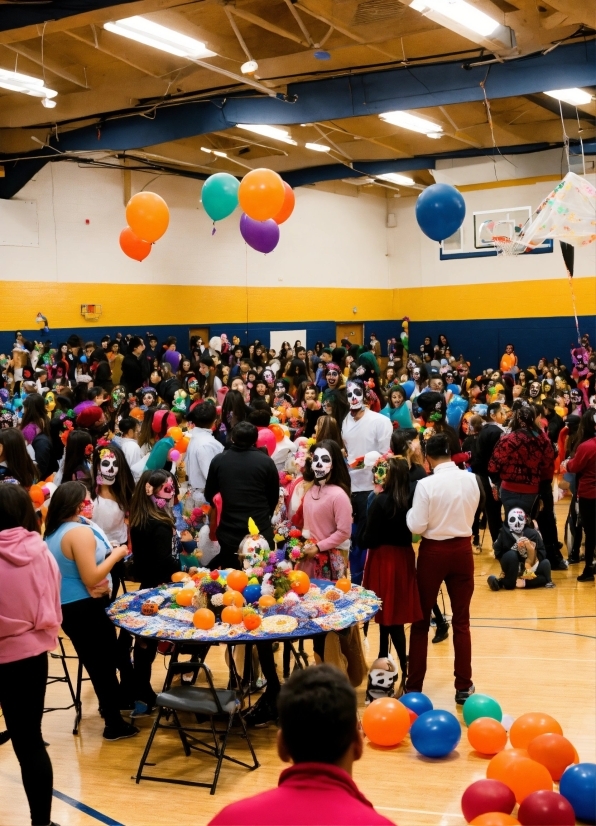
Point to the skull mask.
(535, 389)
(516, 521)
(322, 463)
(575, 396)
(108, 468)
(355, 395)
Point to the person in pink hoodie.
(30, 618)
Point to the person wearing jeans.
(583, 464)
(443, 512)
(29, 624)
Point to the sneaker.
(441, 633)
(493, 583)
(586, 576)
(261, 714)
(561, 565)
(550, 585)
(462, 696)
(141, 710)
(381, 681)
(121, 732)
(477, 548)
(573, 560)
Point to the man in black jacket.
(134, 367)
(488, 437)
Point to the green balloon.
(480, 705)
(220, 195)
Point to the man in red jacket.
(319, 734)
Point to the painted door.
(203, 332)
(353, 332)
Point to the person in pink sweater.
(327, 512)
(30, 618)
(319, 734)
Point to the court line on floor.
(82, 807)
(532, 619)
(419, 812)
(535, 630)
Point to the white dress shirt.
(202, 449)
(445, 503)
(372, 431)
(132, 451)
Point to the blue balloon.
(435, 733)
(251, 593)
(220, 195)
(440, 211)
(417, 702)
(455, 411)
(408, 386)
(578, 785)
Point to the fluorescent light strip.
(460, 12)
(576, 97)
(159, 37)
(413, 122)
(394, 178)
(317, 147)
(268, 132)
(27, 85)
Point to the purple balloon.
(262, 236)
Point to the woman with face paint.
(112, 486)
(307, 400)
(327, 512)
(155, 558)
(82, 552)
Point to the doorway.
(203, 332)
(353, 332)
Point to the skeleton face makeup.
(280, 389)
(332, 377)
(575, 396)
(416, 373)
(269, 377)
(108, 468)
(355, 395)
(87, 509)
(516, 521)
(163, 496)
(322, 463)
(535, 389)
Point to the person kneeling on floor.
(522, 555)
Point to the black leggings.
(22, 693)
(587, 512)
(398, 638)
(94, 639)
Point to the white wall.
(330, 240)
(414, 259)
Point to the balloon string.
(213, 231)
(570, 279)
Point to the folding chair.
(208, 702)
(75, 693)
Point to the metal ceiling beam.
(47, 64)
(265, 24)
(346, 32)
(101, 46)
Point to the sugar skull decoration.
(252, 545)
(321, 463)
(355, 395)
(108, 467)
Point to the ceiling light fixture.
(159, 37)
(268, 132)
(317, 147)
(460, 12)
(394, 178)
(576, 97)
(413, 122)
(214, 152)
(16, 82)
(48, 103)
(249, 68)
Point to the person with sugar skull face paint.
(521, 554)
(362, 432)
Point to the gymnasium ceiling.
(123, 103)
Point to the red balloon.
(546, 809)
(288, 205)
(487, 796)
(132, 246)
(266, 439)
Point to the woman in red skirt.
(390, 572)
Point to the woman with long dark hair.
(233, 410)
(35, 427)
(100, 370)
(398, 408)
(15, 463)
(76, 462)
(335, 403)
(307, 400)
(85, 559)
(327, 428)
(583, 463)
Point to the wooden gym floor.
(532, 651)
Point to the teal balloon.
(220, 195)
(480, 705)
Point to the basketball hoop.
(508, 246)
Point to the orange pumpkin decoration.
(180, 576)
(266, 601)
(251, 621)
(203, 619)
(233, 598)
(148, 609)
(344, 585)
(237, 580)
(231, 614)
(184, 596)
(300, 582)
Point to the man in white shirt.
(128, 444)
(442, 512)
(362, 432)
(202, 449)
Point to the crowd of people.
(132, 459)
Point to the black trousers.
(22, 694)
(492, 509)
(93, 636)
(510, 567)
(547, 524)
(145, 653)
(587, 511)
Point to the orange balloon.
(277, 432)
(37, 495)
(233, 598)
(343, 584)
(148, 216)
(499, 765)
(266, 601)
(184, 596)
(553, 751)
(487, 735)
(494, 819)
(300, 582)
(288, 205)
(529, 726)
(525, 776)
(174, 433)
(237, 580)
(251, 621)
(261, 194)
(180, 576)
(231, 614)
(181, 445)
(386, 721)
(133, 246)
(204, 619)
